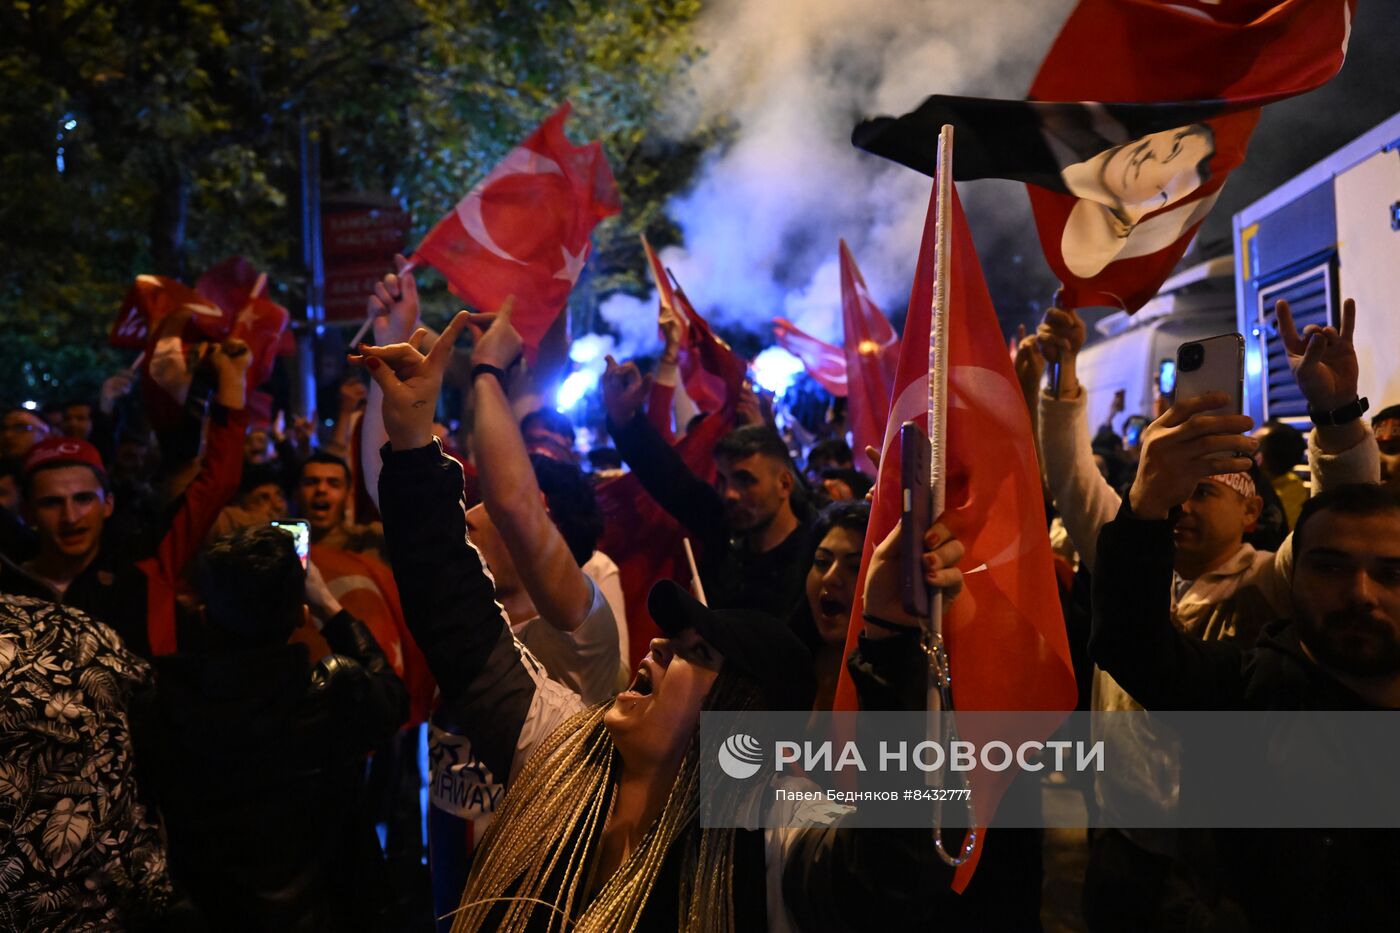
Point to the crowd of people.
(204, 726)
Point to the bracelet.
(1339, 416)
(885, 624)
(496, 371)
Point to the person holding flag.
(598, 823)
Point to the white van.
(1196, 303)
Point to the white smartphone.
(1215, 364)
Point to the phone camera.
(1191, 357)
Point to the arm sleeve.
(492, 690)
(212, 488)
(1083, 497)
(372, 698)
(663, 389)
(1133, 636)
(666, 478)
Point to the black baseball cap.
(753, 643)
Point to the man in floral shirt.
(77, 851)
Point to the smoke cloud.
(792, 77)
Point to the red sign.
(360, 233)
(358, 248)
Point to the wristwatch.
(1338, 416)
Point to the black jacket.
(734, 577)
(1288, 879)
(256, 759)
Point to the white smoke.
(793, 77)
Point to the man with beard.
(755, 547)
(1339, 651)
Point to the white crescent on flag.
(518, 162)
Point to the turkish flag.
(872, 355)
(1119, 189)
(237, 287)
(150, 299)
(524, 229)
(824, 362)
(1005, 635)
(711, 371)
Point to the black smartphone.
(916, 513)
(300, 530)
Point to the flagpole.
(940, 694)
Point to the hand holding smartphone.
(300, 530)
(1215, 364)
(916, 513)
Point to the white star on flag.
(573, 264)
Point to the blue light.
(58, 161)
(775, 369)
(71, 125)
(574, 387)
(1253, 365)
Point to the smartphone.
(1215, 364)
(300, 530)
(1166, 378)
(916, 513)
(1132, 429)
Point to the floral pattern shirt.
(77, 851)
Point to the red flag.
(872, 354)
(237, 287)
(1005, 635)
(711, 371)
(524, 229)
(824, 362)
(1119, 189)
(150, 299)
(664, 291)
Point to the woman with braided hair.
(599, 827)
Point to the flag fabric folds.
(524, 229)
(1126, 141)
(872, 355)
(1005, 635)
(823, 361)
(236, 286)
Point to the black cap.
(753, 643)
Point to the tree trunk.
(169, 214)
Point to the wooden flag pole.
(696, 586)
(940, 693)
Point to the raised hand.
(394, 305)
(1323, 359)
(1027, 361)
(1185, 446)
(1059, 338)
(231, 360)
(498, 343)
(411, 381)
(624, 390)
(883, 581)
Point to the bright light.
(590, 347)
(1253, 365)
(775, 369)
(31, 405)
(71, 125)
(575, 386)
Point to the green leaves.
(185, 144)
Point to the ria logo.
(740, 756)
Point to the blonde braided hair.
(552, 820)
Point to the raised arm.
(394, 306)
(213, 486)
(1134, 638)
(558, 588)
(662, 472)
(492, 690)
(1085, 500)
